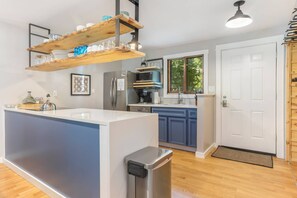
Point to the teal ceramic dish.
(106, 17)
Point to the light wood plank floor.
(192, 177)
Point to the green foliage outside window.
(186, 74)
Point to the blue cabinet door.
(163, 133)
(192, 132)
(177, 131)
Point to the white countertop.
(163, 105)
(93, 116)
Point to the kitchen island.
(76, 152)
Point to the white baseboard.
(206, 152)
(36, 182)
(176, 146)
(1, 160)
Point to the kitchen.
(181, 125)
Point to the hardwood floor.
(14, 186)
(216, 178)
(193, 177)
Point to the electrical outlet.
(93, 91)
(55, 93)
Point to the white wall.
(204, 45)
(60, 82)
(15, 81)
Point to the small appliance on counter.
(145, 96)
(48, 106)
(149, 76)
(156, 97)
(148, 79)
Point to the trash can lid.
(149, 157)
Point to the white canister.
(156, 98)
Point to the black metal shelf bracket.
(36, 35)
(118, 22)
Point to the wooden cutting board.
(35, 107)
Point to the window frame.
(185, 77)
(203, 53)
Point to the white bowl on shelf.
(60, 54)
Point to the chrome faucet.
(196, 98)
(179, 97)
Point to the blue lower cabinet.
(163, 132)
(192, 132)
(177, 131)
(177, 126)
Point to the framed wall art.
(80, 85)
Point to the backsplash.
(187, 101)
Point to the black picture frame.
(74, 84)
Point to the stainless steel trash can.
(149, 173)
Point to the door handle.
(111, 91)
(115, 95)
(224, 102)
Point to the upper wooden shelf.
(116, 54)
(97, 32)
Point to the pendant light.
(239, 19)
(133, 43)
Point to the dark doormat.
(239, 155)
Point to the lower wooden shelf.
(106, 56)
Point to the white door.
(249, 89)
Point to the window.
(186, 74)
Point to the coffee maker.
(145, 96)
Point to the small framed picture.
(80, 85)
(158, 62)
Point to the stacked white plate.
(60, 54)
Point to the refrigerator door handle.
(115, 92)
(111, 91)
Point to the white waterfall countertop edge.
(93, 116)
(185, 106)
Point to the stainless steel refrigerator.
(118, 90)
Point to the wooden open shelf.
(116, 54)
(97, 32)
(151, 68)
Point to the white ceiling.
(167, 22)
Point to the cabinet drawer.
(192, 113)
(172, 112)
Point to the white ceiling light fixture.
(239, 19)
